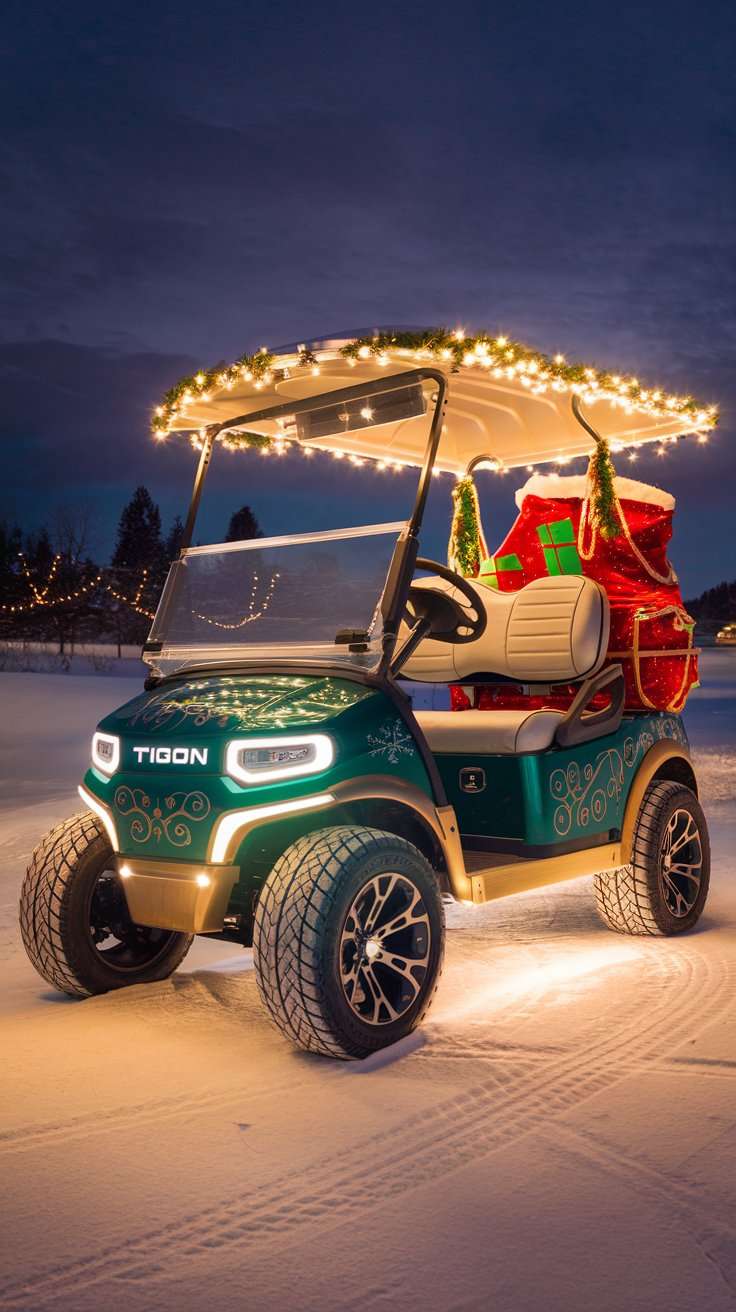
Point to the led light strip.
(103, 814)
(107, 767)
(324, 755)
(230, 824)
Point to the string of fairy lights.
(251, 614)
(42, 600)
(500, 356)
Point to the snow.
(560, 1135)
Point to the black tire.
(315, 908)
(71, 895)
(652, 896)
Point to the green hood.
(235, 704)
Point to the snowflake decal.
(391, 741)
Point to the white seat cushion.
(489, 733)
(554, 630)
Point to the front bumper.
(177, 894)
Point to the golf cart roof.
(508, 405)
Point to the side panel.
(543, 799)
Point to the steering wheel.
(448, 620)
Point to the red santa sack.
(651, 632)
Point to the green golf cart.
(272, 784)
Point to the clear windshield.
(309, 598)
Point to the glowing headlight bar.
(231, 826)
(103, 814)
(260, 760)
(106, 752)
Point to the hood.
(237, 703)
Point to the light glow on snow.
(485, 990)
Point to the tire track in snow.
(28, 1137)
(715, 1239)
(37, 1135)
(498, 1111)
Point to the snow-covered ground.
(561, 1135)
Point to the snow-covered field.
(561, 1135)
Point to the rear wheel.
(664, 889)
(75, 922)
(348, 940)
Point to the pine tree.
(174, 539)
(12, 585)
(139, 548)
(243, 525)
(139, 544)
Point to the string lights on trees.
(42, 600)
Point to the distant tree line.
(51, 589)
(715, 606)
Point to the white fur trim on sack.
(573, 485)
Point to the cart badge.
(391, 741)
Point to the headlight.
(258, 760)
(106, 752)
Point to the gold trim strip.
(521, 876)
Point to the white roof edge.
(573, 485)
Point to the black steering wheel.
(447, 619)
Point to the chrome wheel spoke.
(680, 879)
(378, 998)
(385, 948)
(401, 921)
(691, 872)
(405, 966)
(381, 899)
(681, 907)
(691, 833)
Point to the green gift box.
(495, 565)
(559, 547)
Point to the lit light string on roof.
(501, 356)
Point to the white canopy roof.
(505, 402)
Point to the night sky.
(182, 185)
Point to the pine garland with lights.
(467, 547)
(601, 474)
(501, 354)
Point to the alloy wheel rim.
(385, 948)
(681, 863)
(117, 940)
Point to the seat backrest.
(554, 630)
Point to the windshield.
(314, 597)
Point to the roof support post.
(205, 456)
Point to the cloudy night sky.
(182, 186)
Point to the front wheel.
(663, 890)
(348, 940)
(75, 922)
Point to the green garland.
(601, 474)
(216, 378)
(465, 552)
(443, 345)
